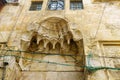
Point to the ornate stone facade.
(60, 44)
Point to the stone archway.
(63, 51)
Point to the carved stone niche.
(111, 51)
(54, 36)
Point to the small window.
(76, 4)
(36, 5)
(12, 1)
(56, 5)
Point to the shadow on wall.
(2, 3)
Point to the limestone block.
(49, 76)
(60, 32)
(31, 28)
(4, 36)
(1, 72)
(35, 66)
(114, 74)
(98, 75)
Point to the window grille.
(37, 5)
(56, 4)
(76, 5)
(12, 1)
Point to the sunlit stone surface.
(60, 44)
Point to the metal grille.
(56, 4)
(11, 1)
(75, 5)
(37, 5)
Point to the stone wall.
(94, 31)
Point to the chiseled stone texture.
(94, 31)
(52, 76)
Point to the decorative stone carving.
(52, 30)
(53, 36)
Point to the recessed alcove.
(54, 42)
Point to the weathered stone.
(61, 44)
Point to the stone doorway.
(57, 55)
